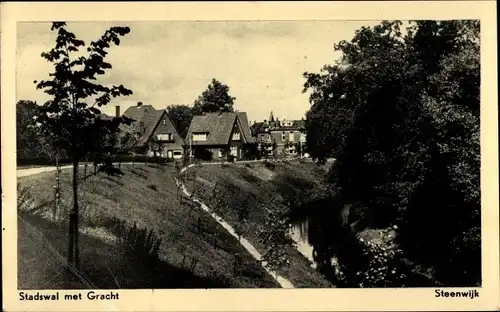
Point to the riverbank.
(243, 194)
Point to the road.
(37, 170)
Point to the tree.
(250, 151)
(68, 118)
(264, 149)
(300, 147)
(274, 147)
(225, 152)
(275, 235)
(30, 143)
(400, 113)
(181, 116)
(215, 98)
(156, 146)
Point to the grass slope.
(256, 188)
(146, 196)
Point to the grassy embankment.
(257, 188)
(195, 251)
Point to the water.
(299, 235)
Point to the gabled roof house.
(154, 132)
(214, 132)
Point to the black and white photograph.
(167, 162)
(280, 154)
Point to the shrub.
(269, 165)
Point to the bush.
(203, 154)
(269, 165)
(41, 161)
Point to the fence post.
(57, 187)
(199, 225)
(85, 169)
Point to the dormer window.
(201, 136)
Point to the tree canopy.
(69, 117)
(215, 98)
(400, 114)
(181, 116)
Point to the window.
(165, 137)
(234, 151)
(177, 153)
(200, 136)
(164, 121)
(236, 136)
(290, 136)
(283, 136)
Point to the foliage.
(384, 262)
(250, 151)
(225, 152)
(215, 98)
(67, 118)
(300, 148)
(30, 144)
(275, 236)
(400, 113)
(202, 153)
(181, 116)
(264, 149)
(156, 146)
(274, 147)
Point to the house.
(154, 132)
(287, 135)
(211, 134)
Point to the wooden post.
(57, 190)
(85, 171)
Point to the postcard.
(250, 156)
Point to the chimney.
(139, 104)
(117, 111)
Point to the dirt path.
(284, 283)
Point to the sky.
(170, 63)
